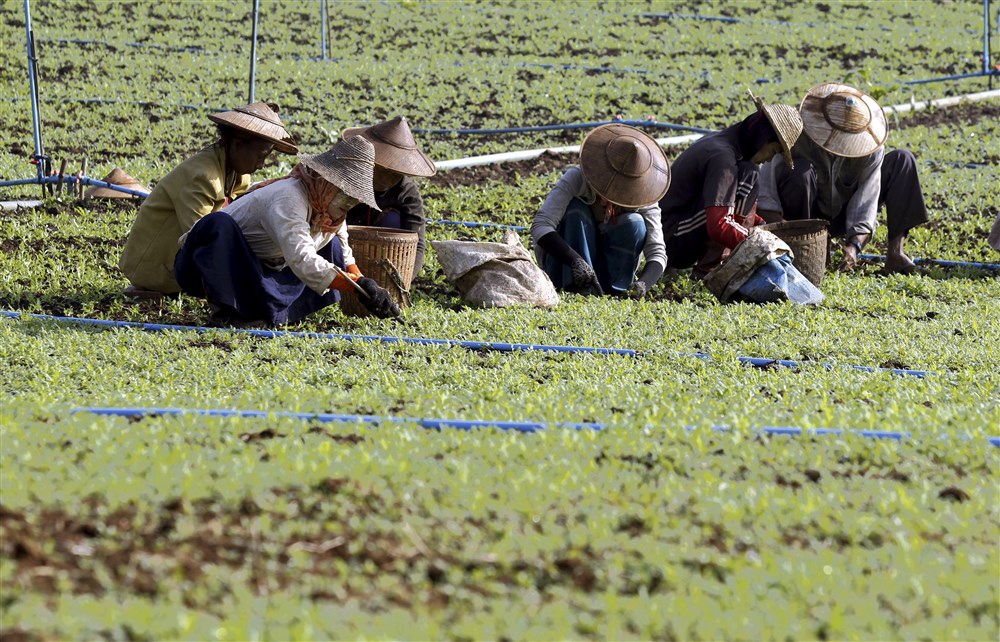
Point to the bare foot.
(899, 264)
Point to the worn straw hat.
(349, 165)
(625, 165)
(395, 148)
(842, 120)
(116, 177)
(785, 121)
(260, 120)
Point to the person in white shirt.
(282, 251)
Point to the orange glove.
(341, 283)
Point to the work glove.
(378, 301)
(584, 277)
(637, 290)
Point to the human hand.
(378, 301)
(850, 260)
(637, 290)
(584, 277)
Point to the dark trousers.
(217, 264)
(900, 193)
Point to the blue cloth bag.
(779, 280)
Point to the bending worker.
(712, 199)
(202, 184)
(397, 159)
(281, 252)
(842, 173)
(602, 216)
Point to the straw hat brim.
(349, 166)
(409, 162)
(837, 141)
(787, 124)
(615, 186)
(257, 127)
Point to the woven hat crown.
(842, 120)
(395, 147)
(624, 165)
(349, 165)
(786, 123)
(261, 121)
(846, 112)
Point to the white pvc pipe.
(504, 157)
(18, 205)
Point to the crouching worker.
(202, 184)
(602, 216)
(281, 251)
(397, 159)
(712, 199)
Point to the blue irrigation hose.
(464, 424)
(566, 126)
(444, 221)
(432, 424)
(941, 262)
(270, 334)
(474, 345)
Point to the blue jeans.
(612, 249)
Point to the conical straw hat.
(349, 165)
(259, 120)
(786, 123)
(842, 120)
(625, 165)
(115, 177)
(395, 148)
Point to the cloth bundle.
(495, 274)
(760, 269)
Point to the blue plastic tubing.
(474, 345)
(462, 424)
(943, 263)
(270, 334)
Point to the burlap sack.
(495, 274)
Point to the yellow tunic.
(195, 188)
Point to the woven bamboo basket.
(808, 240)
(386, 255)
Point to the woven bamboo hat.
(116, 177)
(842, 120)
(785, 121)
(625, 165)
(349, 165)
(260, 120)
(395, 148)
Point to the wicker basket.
(386, 255)
(808, 242)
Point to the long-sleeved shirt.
(572, 185)
(403, 198)
(848, 186)
(275, 222)
(195, 188)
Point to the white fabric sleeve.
(862, 208)
(345, 246)
(571, 185)
(655, 250)
(286, 223)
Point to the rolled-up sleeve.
(655, 250)
(862, 208)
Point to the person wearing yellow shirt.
(202, 184)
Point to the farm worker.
(712, 200)
(602, 215)
(842, 173)
(202, 184)
(281, 251)
(397, 160)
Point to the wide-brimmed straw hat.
(259, 120)
(349, 165)
(843, 120)
(785, 121)
(625, 165)
(395, 148)
(116, 177)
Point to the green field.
(658, 525)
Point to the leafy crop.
(658, 526)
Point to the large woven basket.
(808, 242)
(386, 255)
